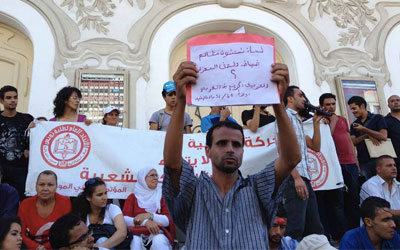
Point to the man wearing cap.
(111, 116)
(159, 120)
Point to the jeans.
(351, 195)
(302, 215)
(102, 240)
(331, 210)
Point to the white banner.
(323, 167)
(77, 152)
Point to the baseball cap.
(111, 108)
(169, 87)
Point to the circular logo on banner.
(317, 168)
(65, 146)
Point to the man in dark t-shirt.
(366, 126)
(393, 122)
(256, 118)
(13, 140)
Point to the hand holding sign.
(280, 75)
(185, 74)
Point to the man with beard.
(13, 140)
(378, 229)
(276, 233)
(393, 123)
(224, 211)
(299, 198)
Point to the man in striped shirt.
(225, 211)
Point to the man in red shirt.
(346, 155)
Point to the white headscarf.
(148, 199)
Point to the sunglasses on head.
(92, 181)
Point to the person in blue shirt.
(276, 239)
(378, 231)
(217, 114)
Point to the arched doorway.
(16, 56)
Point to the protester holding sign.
(224, 211)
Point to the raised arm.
(315, 142)
(186, 73)
(254, 122)
(288, 145)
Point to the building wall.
(317, 40)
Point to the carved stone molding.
(360, 24)
(230, 3)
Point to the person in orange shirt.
(39, 212)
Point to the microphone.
(319, 111)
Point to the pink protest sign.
(234, 69)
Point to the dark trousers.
(302, 215)
(351, 195)
(331, 211)
(16, 177)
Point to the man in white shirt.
(384, 185)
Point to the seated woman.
(66, 106)
(146, 207)
(39, 212)
(92, 206)
(10, 233)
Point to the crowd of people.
(276, 208)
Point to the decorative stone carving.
(91, 15)
(230, 3)
(350, 15)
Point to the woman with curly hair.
(66, 106)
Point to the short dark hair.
(47, 172)
(227, 124)
(289, 93)
(326, 96)
(357, 100)
(380, 159)
(59, 231)
(281, 211)
(371, 205)
(5, 226)
(5, 89)
(63, 95)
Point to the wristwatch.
(151, 216)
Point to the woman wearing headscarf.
(146, 208)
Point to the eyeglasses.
(82, 238)
(153, 176)
(76, 98)
(92, 181)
